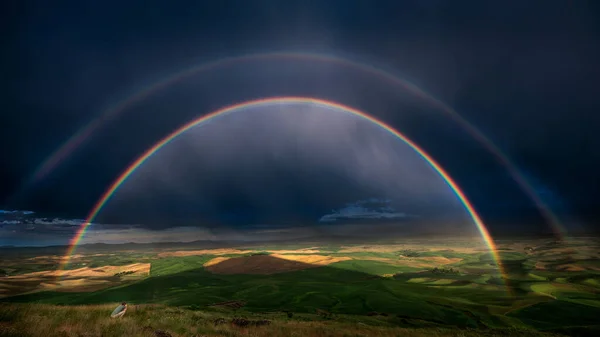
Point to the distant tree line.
(409, 253)
(443, 270)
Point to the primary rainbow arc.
(281, 100)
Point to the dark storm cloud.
(525, 73)
(371, 209)
(26, 228)
(23, 230)
(18, 221)
(14, 212)
(274, 163)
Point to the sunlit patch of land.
(75, 280)
(215, 261)
(268, 264)
(315, 260)
(56, 258)
(388, 288)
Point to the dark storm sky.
(524, 72)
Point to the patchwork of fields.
(547, 286)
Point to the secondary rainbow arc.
(75, 141)
(281, 100)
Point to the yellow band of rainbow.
(282, 100)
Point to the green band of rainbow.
(282, 100)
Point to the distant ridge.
(210, 244)
(315, 240)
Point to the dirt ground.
(268, 264)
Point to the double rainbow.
(277, 101)
(75, 141)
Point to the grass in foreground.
(145, 320)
